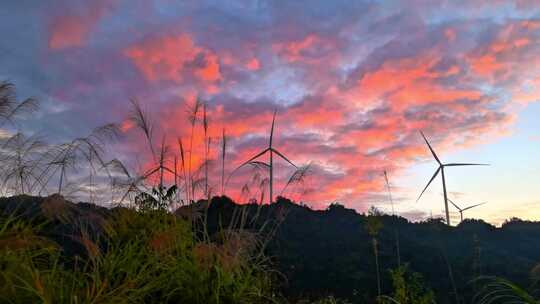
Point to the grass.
(141, 257)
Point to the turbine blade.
(259, 164)
(272, 129)
(430, 148)
(252, 159)
(463, 164)
(432, 178)
(245, 163)
(282, 156)
(470, 207)
(451, 202)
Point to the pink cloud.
(174, 58)
(310, 49)
(511, 47)
(253, 64)
(73, 28)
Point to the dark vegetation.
(330, 252)
(161, 241)
(248, 254)
(54, 251)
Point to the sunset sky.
(353, 83)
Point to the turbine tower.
(270, 164)
(466, 208)
(441, 169)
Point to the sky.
(353, 83)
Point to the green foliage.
(159, 198)
(374, 222)
(373, 225)
(409, 288)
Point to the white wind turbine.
(464, 209)
(441, 169)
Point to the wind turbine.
(466, 208)
(270, 164)
(441, 169)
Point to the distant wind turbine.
(441, 169)
(466, 208)
(270, 165)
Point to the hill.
(330, 251)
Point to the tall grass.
(501, 291)
(396, 232)
(373, 226)
(223, 154)
(141, 257)
(10, 107)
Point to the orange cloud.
(173, 58)
(210, 70)
(310, 49)
(126, 125)
(253, 64)
(496, 59)
(293, 51)
(486, 65)
(408, 82)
